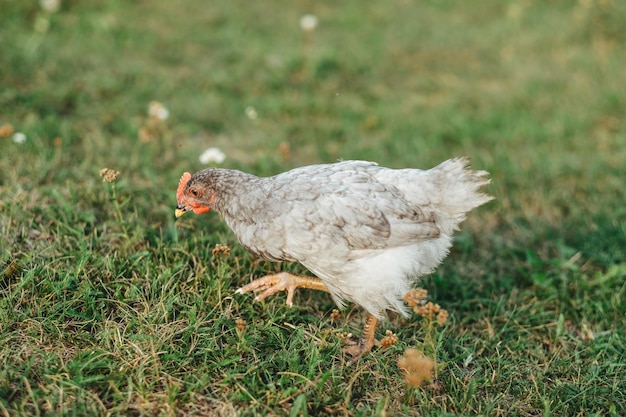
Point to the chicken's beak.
(179, 212)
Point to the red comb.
(181, 185)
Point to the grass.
(110, 307)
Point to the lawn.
(109, 306)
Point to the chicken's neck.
(238, 194)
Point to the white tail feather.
(459, 191)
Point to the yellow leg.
(367, 341)
(283, 281)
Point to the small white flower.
(158, 110)
(212, 155)
(251, 113)
(19, 137)
(50, 6)
(308, 22)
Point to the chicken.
(366, 232)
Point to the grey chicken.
(366, 232)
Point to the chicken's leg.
(271, 284)
(284, 281)
(367, 341)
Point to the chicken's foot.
(283, 281)
(367, 341)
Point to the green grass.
(102, 314)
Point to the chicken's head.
(192, 196)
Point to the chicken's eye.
(194, 192)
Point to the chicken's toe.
(368, 340)
(283, 281)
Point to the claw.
(290, 292)
(367, 342)
(283, 281)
